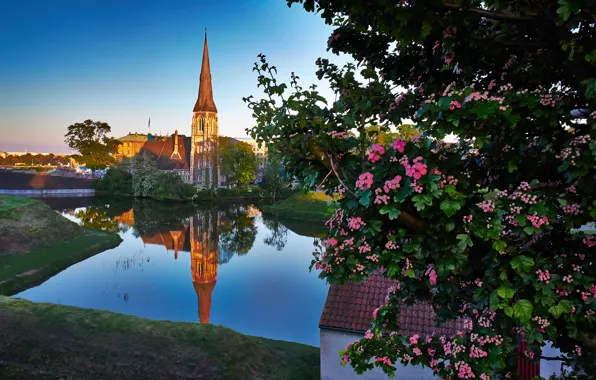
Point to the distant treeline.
(35, 159)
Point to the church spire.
(205, 100)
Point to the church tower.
(204, 168)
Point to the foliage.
(385, 136)
(238, 230)
(37, 159)
(273, 182)
(481, 229)
(150, 182)
(238, 162)
(310, 205)
(116, 181)
(279, 233)
(89, 138)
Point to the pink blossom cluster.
(384, 360)
(572, 209)
(365, 181)
(483, 340)
(548, 100)
(487, 205)
(464, 370)
(381, 199)
(432, 274)
(392, 184)
(529, 354)
(543, 322)
(355, 223)
(543, 275)
(448, 180)
(477, 352)
(399, 145)
(454, 104)
(486, 318)
(537, 221)
(369, 335)
(376, 151)
(364, 247)
(568, 279)
(336, 219)
(577, 350)
(468, 218)
(416, 170)
(414, 339)
(391, 245)
(338, 135)
(374, 258)
(590, 241)
(406, 267)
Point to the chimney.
(175, 153)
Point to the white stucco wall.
(332, 341)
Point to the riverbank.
(36, 243)
(45, 341)
(314, 206)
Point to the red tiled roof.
(350, 307)
(161, 150)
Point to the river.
(220, 263)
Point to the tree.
(484, 230)
(89, 138)
(238, 161)
(385, 136)
(273, 182)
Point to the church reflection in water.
(199, 236)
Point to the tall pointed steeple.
(205, 101)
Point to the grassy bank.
(36, 243)
(311, 206)
(58, 342)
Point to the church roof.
(350, 307)
(162, 150)
(205, 99)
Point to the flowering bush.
(486, 229)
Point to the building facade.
(132, 144)
(194, 157)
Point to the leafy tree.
(273, 182)
(238, 162)
(89, 138)
(485, 230)
(95, 217)
(116, 181)
(238, 231)
(385, 136)
(279, 233)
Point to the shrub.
(117, 181)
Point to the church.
(194, 158)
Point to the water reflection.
(247, 271)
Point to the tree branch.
(489, 14)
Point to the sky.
(125, 61)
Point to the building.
(194, 157)
(347, 314)
(131, 144)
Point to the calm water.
(224, 264)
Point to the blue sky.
(64, 61)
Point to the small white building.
(348, 314)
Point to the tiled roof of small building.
(350, 307)
(134, 137)
(161, 150)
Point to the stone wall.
(29, 184)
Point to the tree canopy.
(238, 161)
(484, 230)
(89, 138)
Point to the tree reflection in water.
(278, 233)
(211, 234)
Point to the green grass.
(56, 341)
(36, 243)
(19, 272)
(311, 206)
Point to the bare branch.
(489, 14)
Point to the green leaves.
(505, 292)
(522, 310)
(421, 201)
(522, 264)
(499, 245)
(562, 307)
(391, 210)
(450, 206)
(464, 241)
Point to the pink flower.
(399, 145)
(331, 242)
(369, 335)
(345, 358)
(365, 181)
(414, 339)
(375, 152)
